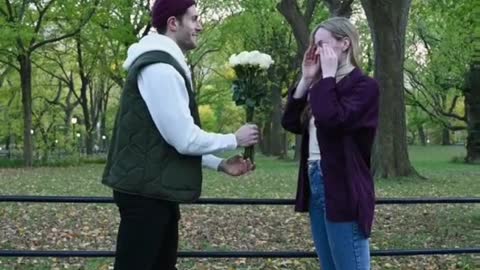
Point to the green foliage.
(207, 115)
(438, 56)
(249, 89)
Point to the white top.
(313, 148)
(166, 97)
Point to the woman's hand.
(329, 61)
(310, 64)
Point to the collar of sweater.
(343, 70)
(156, 42)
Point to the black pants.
(148, 233)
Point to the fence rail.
(235, 254)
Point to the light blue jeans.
(339, 245)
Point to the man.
(158, 147)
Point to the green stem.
(250, 150)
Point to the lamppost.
(74, 121)
(79, 146)
(104, 142)
(33, 142)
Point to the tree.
(439, 77)
(257, 27)
(28, 26)
(300, 23)
(472, 95)
(388, 22)
(273, 36)
(9, 100)
(122, 22)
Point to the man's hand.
(236, 166)
(247, 135)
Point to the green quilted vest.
(140, 161)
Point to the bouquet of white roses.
(249, 87)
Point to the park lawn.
(93, 227)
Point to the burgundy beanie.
(164, 9)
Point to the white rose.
(254, 58)
(243, 58)
(233, 60)
(265, 61)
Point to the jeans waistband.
(313, 163)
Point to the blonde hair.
(341, 28)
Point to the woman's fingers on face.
(322, 52)
(331, 51)
(309, 54)
(312, 52)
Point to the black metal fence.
(236, 254)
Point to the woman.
(335, 109)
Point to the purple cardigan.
(346, 117)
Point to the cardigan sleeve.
(291, 118)
(347, 109)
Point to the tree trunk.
(339, 8)
(472, 105)
(284, 145)
(69, 106)
(422, 138)
(300, 27)
(276, 132)
(265, 143)
(103, 131)
(446, 136)
(298, 148)
(89, 139)
(26, 85)
(10, 141)
(388, 21)
(88, 119)
(103, 123)
(298, 21)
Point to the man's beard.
(187, 43)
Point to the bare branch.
(203, 55)
(22, 9)
(71, 34)
(290, 10)
(3, 12)
(341, 8)
(50, 72)
(4, 75)
(41, 14)
(454, 115)
(9, 8)
(433, 109)
(311, 5)
(147, 29)
(454, 104)
(10, 64)
(430, 114)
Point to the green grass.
(90, 227)
(273, 179)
